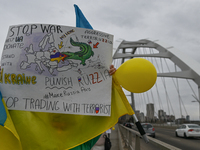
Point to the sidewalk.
(114, 139)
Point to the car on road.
(128, 124)
(188, 130)
(132, 124)
(149, 129)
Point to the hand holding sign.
(136, 75)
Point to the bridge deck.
(114, 139)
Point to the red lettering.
(97, 77)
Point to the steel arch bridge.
(187, 67)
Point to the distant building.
(180, 120)
(142, 118)
(161, 114)
(137, 113)
(124, 118)
(155, 119)
(187, 118)
(150, 112)
(165, 115)
(170, 118)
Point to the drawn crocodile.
(85, 53)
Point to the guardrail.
(126, 141)
(167, 125)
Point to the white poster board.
(58, 69)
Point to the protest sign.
(58, 69)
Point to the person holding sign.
(58, 81)
(58, 89)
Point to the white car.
(188, 130)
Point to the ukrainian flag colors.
(26, 130)
(3, 115)
(9, 139)
(81, 21)
(40, 131)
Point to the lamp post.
(197, 100)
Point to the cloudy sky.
(175, 22)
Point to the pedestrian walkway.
(114, 138)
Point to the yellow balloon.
(136, 75)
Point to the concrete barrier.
(126, 140)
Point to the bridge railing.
(130, 140)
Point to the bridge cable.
(151, 52)
(180, 99)
(191, 88)
(159, 98)
(164, 84)
(145, 52)
(177, 88)
(142, 101)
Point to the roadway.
(167, 135)
(164, 134)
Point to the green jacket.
(88, 145)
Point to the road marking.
(175, 139)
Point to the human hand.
(112, 70)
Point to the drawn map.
(59, 69)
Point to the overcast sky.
(175, 22)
